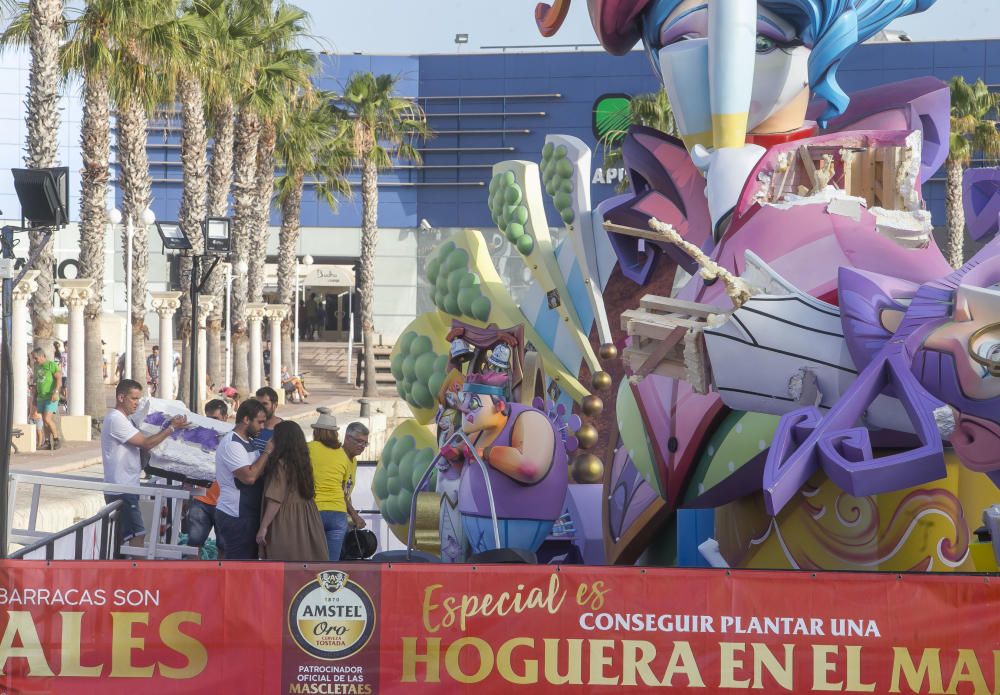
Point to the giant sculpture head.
(484, 403)
(800, 45)
(959, 362)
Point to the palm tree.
(311, 142)
(220, 180)
(378, 120)
(222, 49)
(40, 25)
(651, 110)
(273, 71)
(191, 69)
(89, 52)
(264, 193)
(139, 82)
(47, 28)
(972, 130)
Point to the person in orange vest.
(201, 513)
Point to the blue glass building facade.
(486, 108)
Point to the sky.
(429, 26)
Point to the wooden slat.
(635, 232)
(868, 176)
(665, 320)
(660, 352)
(890, 192)
(679, 306)
(807, 162)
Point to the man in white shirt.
(120, 445)
(239, 470)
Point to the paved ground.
(61, 507)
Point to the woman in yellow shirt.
(334, 465)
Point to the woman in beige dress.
(290, 527)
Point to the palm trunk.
(955, 214)
(366, 288)
(288, 239)
(244, 213)
(220, 180)
(95, 147)
(136, 186)
(194, 139)
(42, 120)
(265, 188)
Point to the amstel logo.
(331, 617)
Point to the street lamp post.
(295, 319)
(216, 233)
(350, 331)
(307, 261)
(229, 286)
(115, 217)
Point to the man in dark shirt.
(268, 398)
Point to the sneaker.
(56, 444)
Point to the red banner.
(189, 627)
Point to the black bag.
(359, 544)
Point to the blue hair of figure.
(830, 28)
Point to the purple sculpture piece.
(866, 301)
(664, 184)
(920, 364)
(923, 104)
(617, 23)
(981, 199)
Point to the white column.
(19, 347)
(165, 304)
(255, 316)
(205, 307)
(229, 326)
(75, 294)
(295, 318)
(275, 315)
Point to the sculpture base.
(25, 442)
(75, 428)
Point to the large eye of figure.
(765, 44)
(768, 44)
(984, 348)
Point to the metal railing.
(158, 543)
(459, 438)
(86, 545)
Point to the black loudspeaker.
(43, 195)
(504, 556)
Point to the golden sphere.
(601, 381)
(592, 406)
(608, 351)
(587, 468)
(587, 436)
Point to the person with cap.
(334, 465)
